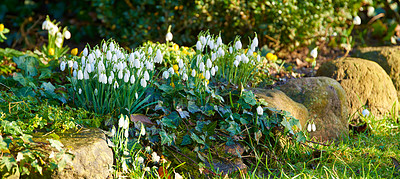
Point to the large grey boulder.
(326, 102)
(279, 100)
(388, 58)
(365, 82)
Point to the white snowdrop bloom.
(95, 91)
(238, 58)
(149, 65)
(115, 58)
(230, 49)
(143, 82)
(209, 63)
(120, 74)
(59, 40)
(132, 79)
(104, 47)
(193, 73)
(250, 52)
(155, 158)
(131, 58)
(91, 58)
(111, 46)
(357, 20)
(116, 85)
(149, 50)
(236, 63)
(202, 67)
(211, 44)
(178, 176)
(110, 79)
(53, 29)
(45, 25)
(97, 53)
(216, 68)
(89, 68)
(75, 65)
(101, 78)
(85, 75)
(260, 110)
(70, 63)
(309, 128)
(101, 67)
(207, 75)
(137, 63)
(203, 40)
(171, 70)
(83, 60)
(314, 52)
(104, 79)
(169, 36)
(108, 55)
(165, 74)
(126, 76)
(365, 112)
(238, 45)
(74, 73)
(245, 59)
(213, 56)
(67, 34)
(258, 58)
(121, 122)
(254, 44)
(146, 76)
(185, 77)
(199, 46)
(80, 91)
(219, 41)
(136, 96)
(159, 57)
(313, 127)
(140, 160)
(180, 63)
(85, 52)
(221, 52)
(80, 75)
(213, 71)
(62, 65)
(126, 122)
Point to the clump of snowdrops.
(56, 36)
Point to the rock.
(92, 156)
(279, 100)
(365, 82)
(326, 102)
(388, 58)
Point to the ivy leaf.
(166, 138)
(45, 73)
(300, 137)
(186, 140)
(192, 107)
(8, 162)
(48, 87)
(28, 64)
(171, 120)
(197, 139)
(56, 144)
(233, 128)
(183, 114)
(249, 98)
(166, 88)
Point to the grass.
(359, 155)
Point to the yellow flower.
(172, 84)
(175, 67)
(272, 57)
(74, 51)
(175, 47)
(1, 27)
(201, 76)
(51, 51)
(269, 56)
(207, 81)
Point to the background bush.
(132, 22)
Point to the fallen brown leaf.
(142, 118)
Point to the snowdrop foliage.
(116, 74)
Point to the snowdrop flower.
(126, 122)
(126, 76)
(313, 127)
(67, 34)
(230, 49)
(165, 74)
(80, 91)
(238, 58)
(85, 75)
(147, 169)
(236, 63)
(193, 73)
(111, 46)
(136, 96)
(238, 45)
(62, 65)
(219, 41)
(116, 85)
(244, 58)
(185, 77)
(150, 50)
(216, 68)
(213, 56)
(250, 52)
(89, 68)
(309, 128)
(357, 20)
(70, 63)
(95, 91)
(365, 112)
(171, 70)
(59, 40)
(137, 63)
(140, 160)
(45, 25)
(121, 121)
(258, 58)
(132, 79)
(74, 73)
(110, 79)
(158, 58)
(203, 40)
(180, 63)
(207, 75)
(143, 83)
(146, 76)
(254, 44)
(209, 63)
(178, 176)
(155, 157)
(53, 29)
(108, 55)
(314, 52)
(199, 46)
(169, 36)
(83, 60)
(202, 68)
(75, 65)
(97, 53)
(213, 71)
(260, 110)
(85, 52)
(120, 74)
(80, 75)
